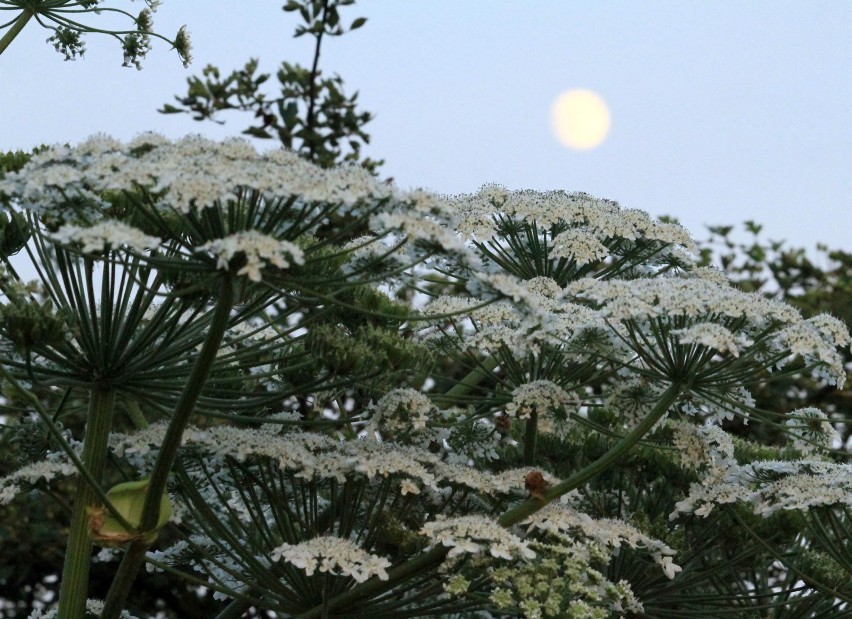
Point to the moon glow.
(580, 119)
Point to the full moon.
(580, 119)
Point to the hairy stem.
(15, 30)
(74, 587)
(135, 555)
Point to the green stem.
(137, 417)
(65, 447)
(530, 439)
(15, 30)
(533, 504)
(135, 555)
(469, 382)
(236, 609)
(74, 587)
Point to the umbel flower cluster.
(353, 398)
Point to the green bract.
(128, 499)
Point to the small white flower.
(258, 249)
(470, 534)
(408, 487)
(105, 235)
(811, 430)
(669, 567)
(333, 555)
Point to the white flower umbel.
(772, 486)
(602, 218)
(473, 535)
(333, 555)
(105, 235)
(311, 455)
(713, 335)
(418, 230)
(550, 402)
(542, 396)
(563, 518)
(190, 173)
(702, 313)
(258, 249)
(704, 447)
(15, 483)
(402, 410)
(810, 430)
(815, 340)
(536, 316)
(692, 297)
(581, 245)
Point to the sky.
(721, 111)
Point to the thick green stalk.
(137, 417)
(75, 573)
(15, 30)
(135, 555)
(533, 504)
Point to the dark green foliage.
(312, 115)
(31, 324)
(12, 161)
(14, 233)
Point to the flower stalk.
(15, 30)
(531, 438)
(75, 572)
(135, 555)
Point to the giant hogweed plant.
(316, 395)
(268, 417)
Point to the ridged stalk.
(73, 589)
(531, 439)
(135, 555)
(15, 30)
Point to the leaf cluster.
(311, 115)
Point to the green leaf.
(257, 132)
(169, 109)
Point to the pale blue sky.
(722, 111)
